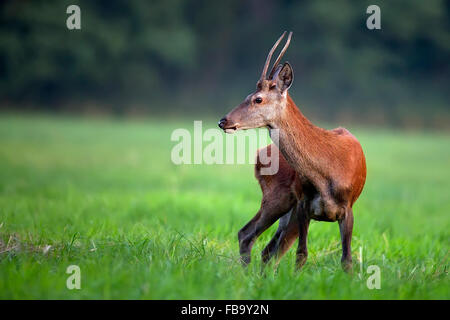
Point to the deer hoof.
(347, 266)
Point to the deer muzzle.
(225, 125)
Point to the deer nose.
(222, 122)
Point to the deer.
(329, 164)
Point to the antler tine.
(269, 57)
(288, 41)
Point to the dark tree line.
(196, 56)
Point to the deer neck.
(299, 140)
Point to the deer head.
(263, 106)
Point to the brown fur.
(280, 193)
(329, 162)
(282, 189)
(319, 165)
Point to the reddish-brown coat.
(322, 172)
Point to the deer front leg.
(283, 239)
(303, 226)
(265, 217)
(346, 228)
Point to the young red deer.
(329, 164)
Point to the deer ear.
(284, 77)
(275, 72)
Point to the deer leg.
(283, 239)
(346, 228)
(272, 246)
(303, 226)
(289, 236)
(265, 217)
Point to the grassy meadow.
(105, 195)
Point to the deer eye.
(258, 100)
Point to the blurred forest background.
(203, 57)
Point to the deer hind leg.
(303, 226)
(346, 228)
(273, 245)
(266, 216)
(284, 237)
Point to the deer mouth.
(230, 129)
(223, 124)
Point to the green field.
(105, 196)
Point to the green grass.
(105, 196)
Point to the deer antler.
(269, 57)
(288, 41)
